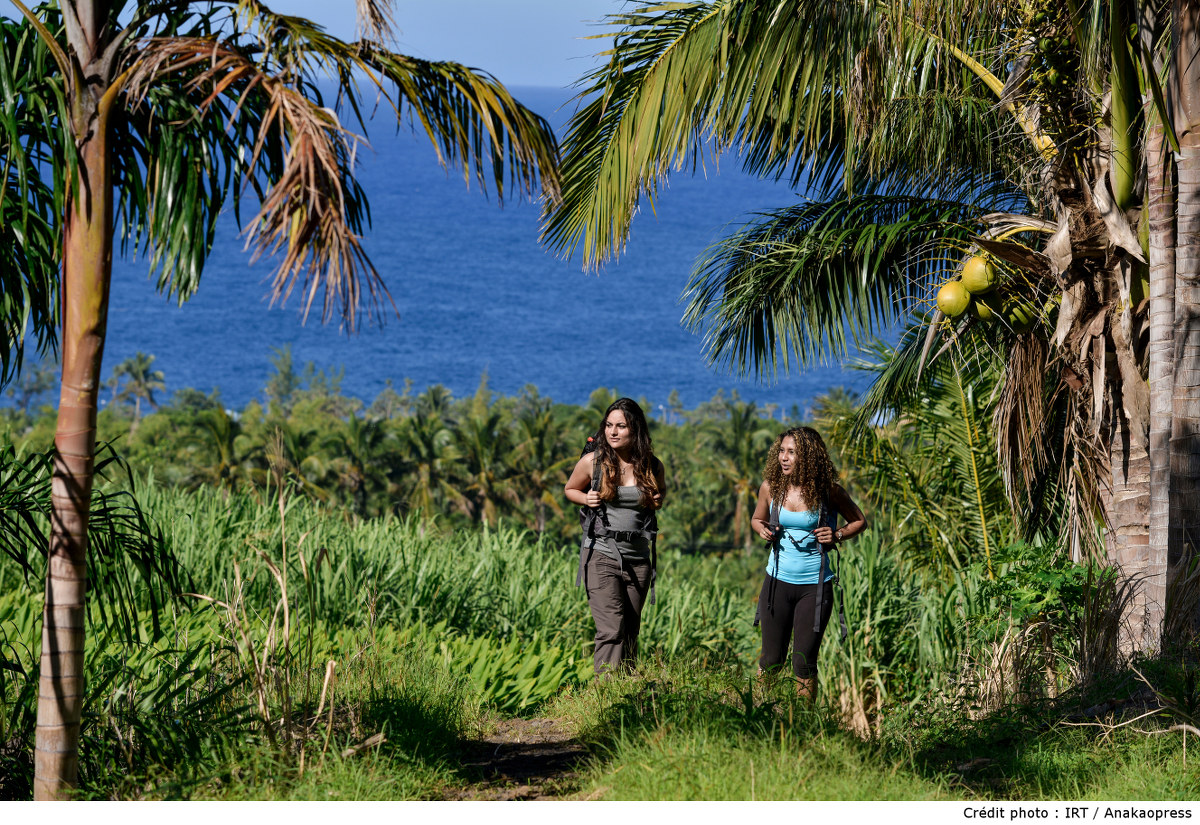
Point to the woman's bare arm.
(856, 521)
(576, 488)
(762, 512)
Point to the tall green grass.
(323, 656)
(502, 584)
(500, 606)
(170, 704)
(675, 734)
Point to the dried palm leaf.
(308, 214)
(375, 20)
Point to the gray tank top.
(624, 514)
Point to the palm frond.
(976, 149)
(470, 117)
(473, 121)
(801, 283)
(636, 122)
(934, 463)
(898, 380)
(31, 116)
(312, 213)
(797, 88)
(375, 20)
(1049, 459)
(172, 180)
(208, 110)
(131, 569)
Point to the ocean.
(475, 294)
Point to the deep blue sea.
(475, 293)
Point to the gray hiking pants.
(616, 593)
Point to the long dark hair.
(813, 471)
(642, 453)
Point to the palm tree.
(541, 460)
(436, 400)
(426, 444)
(1169, 40)
(737, 447)
(228, 462)
(178, 108)
(140, 383)
(929, 138)
(358, 445)
(294, 450)
(484, 476)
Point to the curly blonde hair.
(813, 473)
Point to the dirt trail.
(523, 759)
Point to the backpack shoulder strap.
(594, 523)
(601, 511)
(828, 517)
(828, 514)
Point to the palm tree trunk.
(1127, 501)
(1161, 204)
(86, 275)
(1185, 403)
(737, 521)
(1127, 507)
(87, 266)
(1185, 407)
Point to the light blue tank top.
(799, 553)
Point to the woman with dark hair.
(798, 506)
(615, 560)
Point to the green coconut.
(953, 298)
(1049, 312)
(1019, 315)
(978, 275)
(984, 310)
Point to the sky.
(520, 42)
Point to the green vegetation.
(312, 652)
(309, 598)
(474, 460)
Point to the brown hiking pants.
(616, 593)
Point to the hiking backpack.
(824, 518)
(593, 523)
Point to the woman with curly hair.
(616, 564)
(797, 594)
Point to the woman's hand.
(763, 530)
(823, 534)
(593, 498)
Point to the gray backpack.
(593, 522)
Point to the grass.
(672, 734)
(406, 700)
(432, 634)
(676, 735)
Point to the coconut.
(978, 275)
(984, 310)
(1019, 315)
(952, 298)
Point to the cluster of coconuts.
(973, 290)
(1053, 61)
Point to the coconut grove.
(318, 597)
